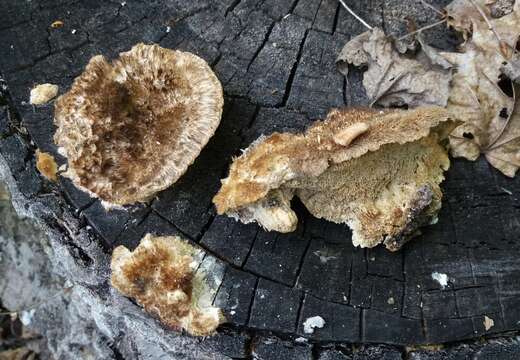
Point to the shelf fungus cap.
(132, 127)
(160, 275)
(377, 171)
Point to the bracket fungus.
(132, 127)
(377, 171)
(160, 275)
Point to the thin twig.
(355, 15)
(432, 7)
(490, 25)
(421, 29)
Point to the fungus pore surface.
(160, 275)
(377, 171)
(132, 127)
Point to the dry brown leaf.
(467, 16)
(160, 275)
(393, 79)
(490, 124)
(379, 172)
(512, 68)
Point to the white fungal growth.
(488, 323)
(313, 322)
(43, 93)
(441, 278)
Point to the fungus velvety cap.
(132, 127)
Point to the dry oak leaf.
(160, 275)
(132, 127)
(491, 124)
(465, 15)
(394, 79)
(377, 171)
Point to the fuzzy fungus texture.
(312, 323)
(132, 127)
(43, 93)
(160, 275)
(379, 172)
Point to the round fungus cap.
(132, 127)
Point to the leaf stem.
(432, 7)
(355, 15)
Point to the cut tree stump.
(275, 59)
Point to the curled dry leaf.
(379, 172)
(160, 275)
(393, 79)
(491, 123)
(132, 127)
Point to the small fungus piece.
(441, 278)
(312, 323)
(378, 172)
(43, 93)
(46, 165)
(488, 323)
(160, 275)
(132, 127)
(57, 24)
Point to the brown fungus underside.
(132, 127)
(160, 275)
(377, 171)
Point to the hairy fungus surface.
(160, 275)
(132, 127)
(379, 172)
